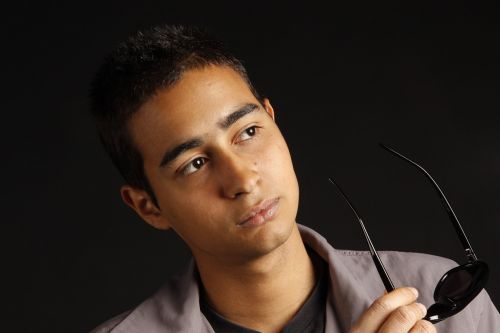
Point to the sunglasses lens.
(461, 283)
(456, 285)
(456, 289)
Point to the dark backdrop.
(424, 79)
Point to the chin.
(269, 237)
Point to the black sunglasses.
(460, 285)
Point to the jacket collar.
(176, 304)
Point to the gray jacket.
(354, 285)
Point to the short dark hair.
(148, 61)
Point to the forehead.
(189, 108)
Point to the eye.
(194, 165)
(249, 132)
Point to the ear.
(269, 108)
(140, 201)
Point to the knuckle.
(423, 326)
(404, 315)
(381, 305)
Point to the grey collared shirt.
(353, 285)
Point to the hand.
(395, 312)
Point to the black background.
(341, 77)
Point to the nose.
(238, 175)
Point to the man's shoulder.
(398, 257)
(405, 268)
(173, 308)
(110, 324)
(126, 321)
(356, 283)
(361, 262)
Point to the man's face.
(209, 169)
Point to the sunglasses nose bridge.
(438, 312)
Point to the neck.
(263, 294)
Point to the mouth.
(260, 214)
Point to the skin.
(205, 192)
(394, 312)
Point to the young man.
(202, 155)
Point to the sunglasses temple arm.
(469, 252)
(389, 286)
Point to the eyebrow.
(195, 142)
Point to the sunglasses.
(460, 285)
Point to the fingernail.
(414, 291)
(422, 307)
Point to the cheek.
(192, 219)
(279, 170)
(182, 208)
(277, 159)
(189, 212)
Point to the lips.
(260, 214)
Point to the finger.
(423, 326)
(381, 308)
(403, 319)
